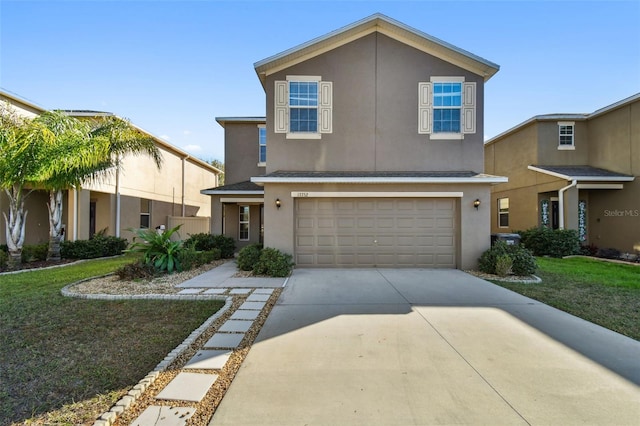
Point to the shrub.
(35, 252)
(249, 256)
(274, 263)
(504, 263)
(135, 271)
(190, 258)
(206, 242)
(544, 241)
(589, 250)
(157, 248)
(98, 246)
(3, 259)
(523, 262)
(609, 253)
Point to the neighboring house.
(141, 196)
(571, 171)
(374, 137)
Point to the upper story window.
(262, 146)
(566, 133)
(503, 212)
(303, 107)
(447, 105)
(446, 108)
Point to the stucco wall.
(241, 152)
(549, 139)
(375, 113)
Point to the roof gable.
(383, 25)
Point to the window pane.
(263, 154)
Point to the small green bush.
(157, 248)
(544, 241)
(523, 261)
(3, 259)
(274, 263)
(35, 252)
(206, 242)
(504, 263)
(249, 256)
(98, 246)
(135, 271)
(190, 258)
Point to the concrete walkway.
(415, 347)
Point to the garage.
(375, 232)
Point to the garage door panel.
(381, 233)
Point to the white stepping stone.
(209, 360)
(258, 297)
(236, 326)
(188, 387)
(240, 291)
(252, 305)
(245, 315)
(190, 291)
(225, 340)
(216, 291)
(164, 416)
(263, 291)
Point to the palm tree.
(75, 158)
(90, 151)
(24, 145)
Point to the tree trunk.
(55, 224)
(14, 225)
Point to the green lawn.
(55, 351)
(604, 293)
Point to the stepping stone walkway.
(193, 386)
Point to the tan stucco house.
(373, 143)
(140, 196)
(571, 171)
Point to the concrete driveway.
(415, 347)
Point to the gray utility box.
(510, 239)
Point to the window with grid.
(447, 105)
(262, 144)
(243, 228)
(503, 212)
(145, 213)
(303, 106)
(566, 133)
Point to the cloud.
(193, 148)
(165, 137)
(186, 132)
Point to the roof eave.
(582, 178)
(218, 192)
(386, 26)
(261, 180)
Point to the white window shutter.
(280, 112)
(469, 107)
(325, 107)
(425, 107)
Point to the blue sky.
(171, 67)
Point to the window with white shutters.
(446, 108)
(303, 107)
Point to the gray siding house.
(375, 153)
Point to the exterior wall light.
(476, 203)
(278, 203)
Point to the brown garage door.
(365, 232)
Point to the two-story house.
(375, 152)
(138, 196)
(571, 171)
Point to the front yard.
(604, 293)
(65, 361)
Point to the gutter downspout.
(184, 160)
(561, 203)
(75, 214)
(118, 199)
